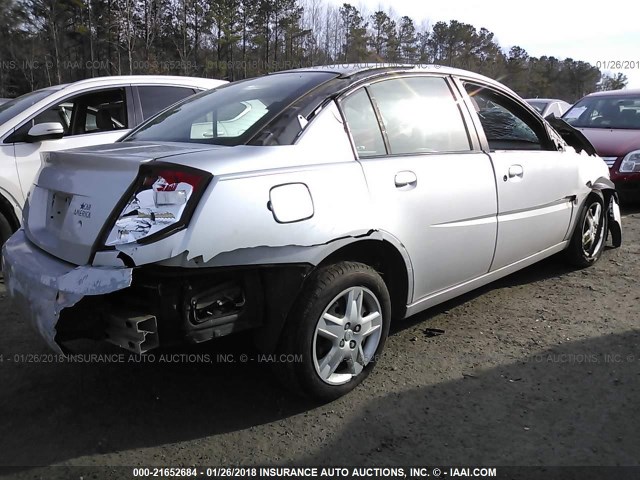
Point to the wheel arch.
(607, 189)
(378, 249)
(605, 186)
(391, 262)
(8, 211)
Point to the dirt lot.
(541, 368)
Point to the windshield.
(231, 114)
(622, 112)
(18, 105)
(539, 106)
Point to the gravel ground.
(540, 368)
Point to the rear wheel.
(336, 331)
(590, 233)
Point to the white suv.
(88, 112)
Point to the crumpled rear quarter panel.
(236, 214)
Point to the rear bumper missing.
(141, 308)
(41, 286)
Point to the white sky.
(563, 29)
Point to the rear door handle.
(406, 179)
(516, 171)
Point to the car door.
(430, 184)
(534, 178)
(90, 118)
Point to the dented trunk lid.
(76, 192)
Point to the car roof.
(544, 100)
(364, 70)
(146, 80)
(633, 92)
(137, 80)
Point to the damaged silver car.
(311, 206)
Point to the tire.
(589, 236)
(5, 232)
(335, 349)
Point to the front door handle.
(406, 179)
(516, 171)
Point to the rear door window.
(420, 115)
(101, 111)
(363, 124)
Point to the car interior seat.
(104, 121)
(609, 115)
(630, 118)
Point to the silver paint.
(458, 220)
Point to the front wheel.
(336, 330)
(590, 233)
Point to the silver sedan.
(549, 106)
(312, 207)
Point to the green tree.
(407, 40)
(354, 48)
(517, 70)
(383, 38)
(45, 42)
(612, 82)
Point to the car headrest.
(103, 118)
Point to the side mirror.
(45, 131)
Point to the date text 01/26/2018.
(618, 64)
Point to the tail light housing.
(160, 202)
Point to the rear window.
(154, 99)
(619, 112)
(231, 114)
(539, 106)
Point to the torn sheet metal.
(290, 254)
(41, 286)
(571, 135)
(615, 222)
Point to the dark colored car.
(611, 122)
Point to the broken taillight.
(162, 201)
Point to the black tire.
(5, 230)
(300, 340)
(583, 254)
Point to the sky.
(556, 28)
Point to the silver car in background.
(549, 106)
(310, 206)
